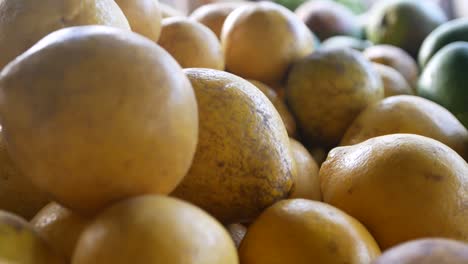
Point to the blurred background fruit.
(444, 79)
(261, 41)
(426, 251)
(200, 46)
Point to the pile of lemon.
(133, 134)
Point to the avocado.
(455, 30)
(445, 79)
(403, 23)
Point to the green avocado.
(445, 79)
(455, 30)
(403, 23)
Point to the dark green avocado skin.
(455, 30)
(403, 23)
(445, 80)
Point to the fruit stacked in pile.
(243, 133)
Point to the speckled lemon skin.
(302, 231)
(243, 161)
(280, 106)
(192, 44)
(95, 114)
(400, 186)
(412, 115)
(260, 41)
(327, 90)
(24, 22)
(144, 16)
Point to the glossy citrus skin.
(24, 22)
(426, 251)
(21, 244)
(214, 14)
(400, 186)
(85, 110)
(412, 115)
(327, 90)
(280, 106)
(243, 162)
(396, 58)
(191, 44)
(155, 229)
(261, 40)
(144, 16)
(60, 228)
(306, 180)
(301, 231)
(393, 82)
(17, 193)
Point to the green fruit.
(346, 42)
(20, 244)
(456, 30)
(403, 23)
(444, 80)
